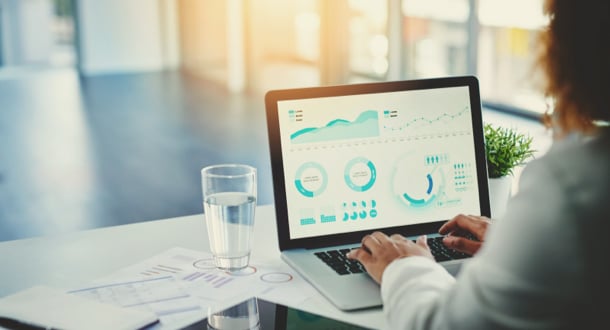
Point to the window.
(494, 39)
(307, 43)
(435, 37)
(508, 35)
(368, 41)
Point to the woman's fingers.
(361, 255)
(422, 241)
(462, 244)
(471, 224)
(374, 241)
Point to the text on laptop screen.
(369, 161)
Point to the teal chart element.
(416, 182)
(428, 197)
(311, 179)
(360, 174)
(307, 217)
(365, 126)
(362, 210)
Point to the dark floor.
(80, 153)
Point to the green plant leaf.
(505, 149)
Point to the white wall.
(27, 37)
(3, 31)
(170, 33)
(122, 36)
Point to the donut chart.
(360, 174)
(428, 196)
(311, 179)
(417, 186)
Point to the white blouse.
(544, 265)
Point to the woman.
(544, 265)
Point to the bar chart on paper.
(216, 281)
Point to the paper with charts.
(180, 285)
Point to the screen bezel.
(277, 168)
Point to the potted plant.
(505, 149)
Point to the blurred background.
(109, 109)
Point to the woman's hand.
(378, 251)
(462, 229)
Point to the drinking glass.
(229, 202)
(239, 317)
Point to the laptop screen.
(366, 161)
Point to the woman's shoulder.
(577, 152)
(579, 165)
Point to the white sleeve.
(410, 288)
(528, 275)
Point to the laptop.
(398, 157)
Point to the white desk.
(71, 260)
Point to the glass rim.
(250, 170)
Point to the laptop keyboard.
(443, 253)
(337, 260)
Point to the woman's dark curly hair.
(576, 60)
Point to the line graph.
(394, 124)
